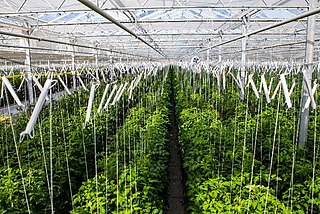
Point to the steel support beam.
(162, 21)
(304, 113)
(301, 16)
(40, 39)
(245, 7)
(110, 18)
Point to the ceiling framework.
(178, 29)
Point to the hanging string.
(67, 159)
(254, 150)
(272, 152)
(278, 157)
(51, 164)
(244, 144)
(44, 156)
(17, 152)
(294, 151)
(235, 134)
(7, 149)
(95, 159)
(130, 167)
(83, 140)
(106, 161)
(314, 158)
(117, 158)
(124, 153)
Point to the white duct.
(7, 83)
(122, 90)
(103, 98)
(64, 85)
(33, 119)
(110, 96)
(117, 94)
(90, 102)
(82, 84)
(35, 80)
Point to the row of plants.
(242, 156)
(74, 149)
(132, 172)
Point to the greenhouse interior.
(159, 106)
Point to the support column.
(208, 54)
(243, 58)
(220, 63)
(28, 68)
(97, 64)
(304, 113)
(73, 66)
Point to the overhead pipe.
(209, 20)
(110, 18)
(178, 7)
(65, 43)
(301, 16)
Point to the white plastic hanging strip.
(122, 90)
(2, 90)
(7, 83)
(260, 86)
(117, 94)
(237, 82)
(82, 84)
(292, 88)
(276, 90)
(103, 75)
(21, 84)
(313, 103)
(224, 78)
(64, 85)
(137, 81)
(150, 71)
(130, 89)
(270, 85)
(110, 96)
(309, 100)
(254, 88)
(103, 98)
(132, 82)
(90, 102)
(285, 90)
(265, 88)
(35, 80)
(34, 116)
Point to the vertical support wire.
(17, 153)
(51, 163)
(314, 158)
(272, 151)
